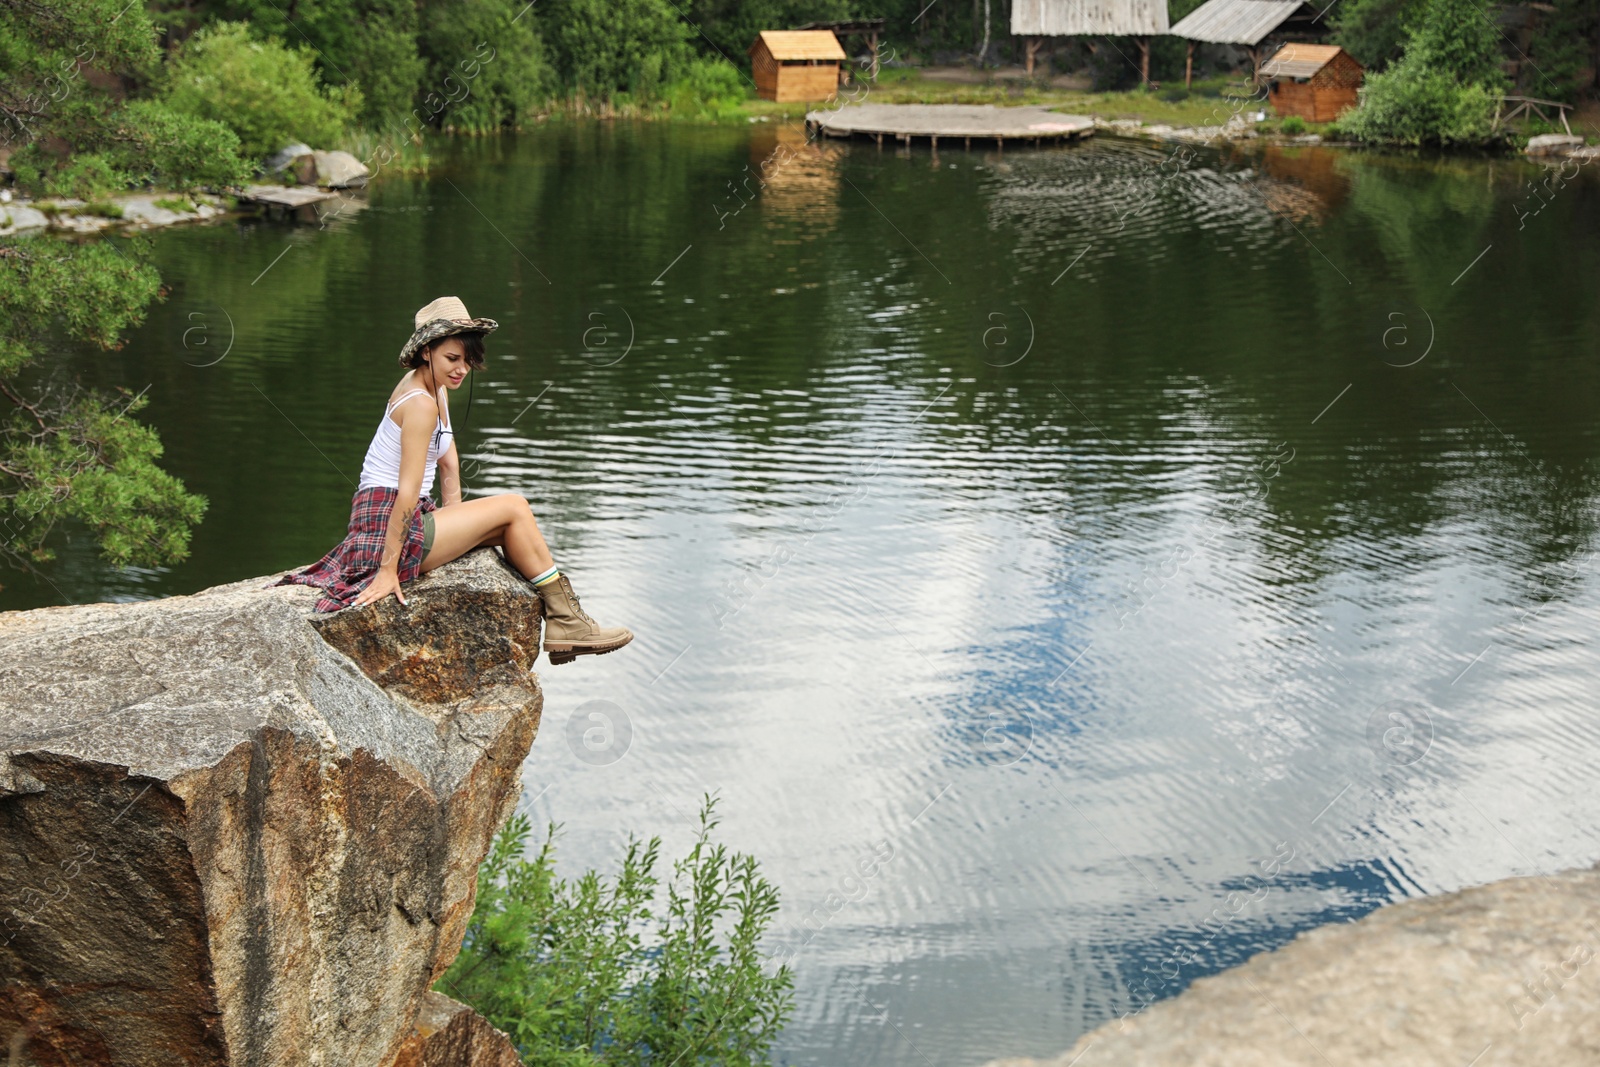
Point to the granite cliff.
(237, 833)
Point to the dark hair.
(472, 341)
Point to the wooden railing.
(1528, 107)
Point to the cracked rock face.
(233, 832)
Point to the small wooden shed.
(796, 64)
(1257, 26)
(1315, 81)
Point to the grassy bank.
(1203, 105)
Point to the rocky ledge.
(234, 832)
(1499, 975)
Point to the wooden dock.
(951, 122)
(289, 196)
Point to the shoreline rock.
(1496, 975)
(237, 832)
(148, 211)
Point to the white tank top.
(382, 465)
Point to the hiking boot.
(569, 632)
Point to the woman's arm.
(450, 475)
(418, 416)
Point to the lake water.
(1077, 570)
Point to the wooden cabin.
(1318, 82)
(1257, 26)
(796, 64)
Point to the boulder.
(142, 211)
(339, 170)
(287, 155)
(1498, 975)
(1553, 144)
(21, 217)
(237, 832)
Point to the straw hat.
(442, 318)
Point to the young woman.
(397, 532)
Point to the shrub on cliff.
(593, 972)
(267, 93)
(1442, 90)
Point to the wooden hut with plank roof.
(796, 64)
(1315, 81)
(1253, 25)
(1034, 20)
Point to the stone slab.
(1498, 975)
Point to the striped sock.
(547, 577)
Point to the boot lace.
(577, 608)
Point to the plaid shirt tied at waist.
(354, 562)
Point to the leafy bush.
(707, 88)
(607, 48)
(588, 972)
(1409, 106)
(143, 142)
(85, 176)
(1292, 125)
(372, 44)
(266, 93)
(1442, 90)
(178, 150)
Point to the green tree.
(1443, 89)
(67, 453)
(370, 45)
(266, 93)
(1565, 45)
(1458, 39)
(607, 48)
(487, 65)
(729, 26)
(593, 972)
(1374, 31)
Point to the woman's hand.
(386, 581)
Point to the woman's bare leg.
(504, 520)
(507, 521)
